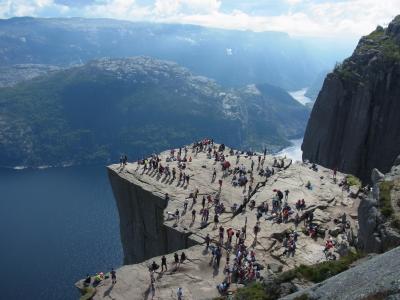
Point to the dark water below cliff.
(56, 225)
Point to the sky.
(319, 18)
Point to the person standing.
(179, 293)
(152, 290)
(113, 276)
(208, 239)
(193, 215)
(163, 263)
(286, 195)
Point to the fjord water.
(56, 225)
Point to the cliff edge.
(150, 229)
(354, 124)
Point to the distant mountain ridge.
(11, 75)
(233, 58)
(95, 112)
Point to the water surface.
(56, 225)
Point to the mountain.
(354, 124)
(11, 75)
(95, 112)
(233, 58)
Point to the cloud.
(333, 18)
(293, 2)
(20, 8)
(173, 7)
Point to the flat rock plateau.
(148, 229)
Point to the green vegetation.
(87, 293)
(344, 71)
(353, 181)
(253, 291)
(302, 297)
(314, 273)
(324, 270)
(385, 203)
(380, 41)
(321, 271)
(91, 115)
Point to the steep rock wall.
(376, 233)
(141, 214)
(354, 125)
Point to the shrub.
(302, 297)
(322, 271)
(353, 181)
(385, 201)
(253, 291)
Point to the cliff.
(379, 213)
(354, 124)
(141, 214)
(147, 231)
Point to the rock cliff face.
(141, 215)
(354, 125)
(376, 231)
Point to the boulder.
(275, 268)
(376, 176)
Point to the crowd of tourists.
(241, 265)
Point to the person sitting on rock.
(308, 185)
(328, 245)
(285, 215)
(223, 287)
(275, 163)
(312, 231)
(234, 208)
(252, 204)
(154, 266)
(87, 281)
